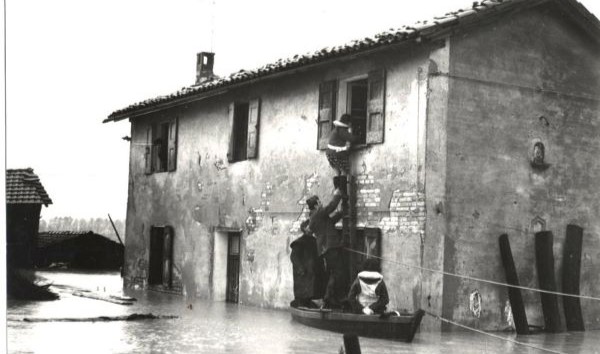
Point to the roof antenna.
(212, 26)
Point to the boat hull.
(401, 327)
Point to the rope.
(479, 279)
(490, 334)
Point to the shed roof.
(420, 32)
(24, 187)
(48, 238)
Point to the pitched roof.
(24, 187)
(48, 238)
(417, 33)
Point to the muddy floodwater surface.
(217, 327)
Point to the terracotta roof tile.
(24, 187)
(392, 36)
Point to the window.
(161, 256)
(363, 98)
(161, 147)
(244, 122)
(327, 99)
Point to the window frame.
(248, 150)
(342, 105)
(161, 157)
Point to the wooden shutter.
(327, 97)
(375, 107)
(253, 128)
(230, 151)
(167, 266)
(172, 146)
(148, 151)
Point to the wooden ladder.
(347, 185)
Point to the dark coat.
(307, 268)
(323, 225)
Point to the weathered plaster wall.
(529, 77)
(265, 198)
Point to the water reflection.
(219, 328)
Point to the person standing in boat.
(338, 145)
(307, 269)
(368, 294)
(330, 246)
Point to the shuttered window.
(253, 121)
(327, 98)
(244, 120)
(148, 151)
(160, 149)
(365, 102)
(172, 146)
(375, 107)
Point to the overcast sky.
(70, 63)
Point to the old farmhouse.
(477, 123)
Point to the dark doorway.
(233, 267)
(161, 256)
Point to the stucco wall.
(265, 197)
(528, 77)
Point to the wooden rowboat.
(401, 327)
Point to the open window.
(244, 122)
(363, 97)
(161, 147)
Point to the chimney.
(204, 67)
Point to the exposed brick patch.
(256, 215)
(406, 208)
(368, 197)
(407, 212)
(265, 196)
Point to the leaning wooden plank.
(132, 317)
(514, 294)
(544, 257)
(570, 278)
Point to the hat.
(343, 121)
(312, 202)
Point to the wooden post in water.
(544, 258)
(514, 294)
(570, 278)
(351, 344)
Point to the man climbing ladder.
(338, 146)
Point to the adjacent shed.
(82, 250)
(25, 196)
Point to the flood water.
(216, 327)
